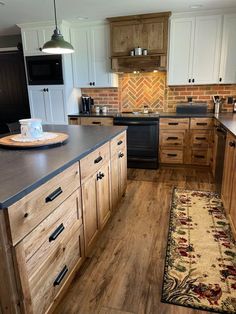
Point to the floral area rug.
(200, 267)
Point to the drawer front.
(27, 213)
(201, 138)
(171, 138)
(53, 274)
(96, 121)
(91, 163)
(171, 156)
(166, 123)
(201, 123)
(74, 121)
(48, 235)
(200, 157)
(118, 143)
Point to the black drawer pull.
(201, 123)
(199, 156)
(100, 175)
(120, 142)
(60, 277)
(121, 155)
(232, 144)
(172, 155)
(97, 122)
(173, 123)
(56, 233)
(53, 195)
(97, 160)
(172, 138)
(201, 138)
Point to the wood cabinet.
(229, 169)
(195, 44)
(91, 63)
(48, 103)
(186, 140)
(96, 121)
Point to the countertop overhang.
(22, 171)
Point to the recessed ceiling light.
(196, 6)
(2, 3)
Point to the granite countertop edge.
(37, 183)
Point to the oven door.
(142, 143)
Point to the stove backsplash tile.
(137, 90)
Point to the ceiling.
(21, 11)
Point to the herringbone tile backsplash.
(151, 89)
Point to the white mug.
(31, 128)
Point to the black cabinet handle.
(90, 83)
(53, 195)
(232, 144)
(171, 138)
(199, 156)
(56, 233)
(172, 155)
(220, 79)
(60, 277)
(173, 123)
(93, 84)
(121, 155)
(201, 138)
(220, 130)
(120, 142)
(189, 80)
(97, 122)
(46, 89)
(40, 49)
(193, 80)
(97, 160)
(201, 123)
(100, 175)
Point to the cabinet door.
(31, 41)
(56, 105)
(100, 63)
(154, 35)
(103, 195)
(90, 215)
(228, 60)
(229, 161)
(115, 181)
(37, 99)
(207, 42)
(122, 172)
(81, 58)
(181, 51)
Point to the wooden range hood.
(148, 31)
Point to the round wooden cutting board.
(9, 143)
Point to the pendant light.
(57, 44)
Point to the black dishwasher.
(142, 140)
(220, 156)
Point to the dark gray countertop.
(228, 120)
(157, 114)
(22, 171)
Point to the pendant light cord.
(55, 13)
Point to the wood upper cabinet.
(229, 169)
(149, 31)
(195, 44)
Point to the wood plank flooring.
(124, 273)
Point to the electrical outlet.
(190, 99)
(230, 100)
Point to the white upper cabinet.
(207, 45)
(91, 62)
(228, 59)
(181, 51)
(195, 46)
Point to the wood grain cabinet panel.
(174, 123)
(96, 121)
(171, 138)
(229, 169)
(201, 138)
(200, 157)
(171, 156)
(201, 123)
(118, 143)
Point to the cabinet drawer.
(45, 284)
(200, 138)
(96, 121)
(28, 212)
(171, 156)
(91, 163)
(74, 120)
(200, 157)
(201, 123)
(166, 123)
(171, 138)
(48, 235)
(118, 143)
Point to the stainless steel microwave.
(44, 70)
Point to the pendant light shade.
(57, 44)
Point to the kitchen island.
(54, 204)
